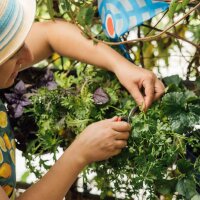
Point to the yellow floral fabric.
(7, 154)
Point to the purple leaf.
(49, 75)
(11, 97)
(20, 88)
(17, 110)
(52, 85)
(48, 81)
(25, 102)
(18, 99)
(100, 97)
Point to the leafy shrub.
(163, 149)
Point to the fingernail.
(119, 119)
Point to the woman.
(22, 44)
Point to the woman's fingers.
(148, 92)
(113, 119)
(116, 152)
(159, 89)
(121, 126)
(121, 135)
(119, 144)
(137, 94)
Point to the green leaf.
(50, 8)
(65, 5)
(186, 188)
(179, 123)
(196, 197)
(190, 96)
(175, 79)
(178, 9)
(185, 3)
(172, 8)
(185, 166)
(166, 187)
(173, 103)
(195, 109)
(85, 16)
(25, 175)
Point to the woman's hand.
(99, 141)
(102, 140)
(142, 84)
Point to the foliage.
(163, 150)
(17, 99)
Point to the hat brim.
(29, 7)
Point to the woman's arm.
(55, 184)
(98, 141)
(67, 40)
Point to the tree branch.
(150, 37)
(173, 35)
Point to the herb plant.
(163, 149)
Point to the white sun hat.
(16, 19)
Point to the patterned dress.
(7, 155)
